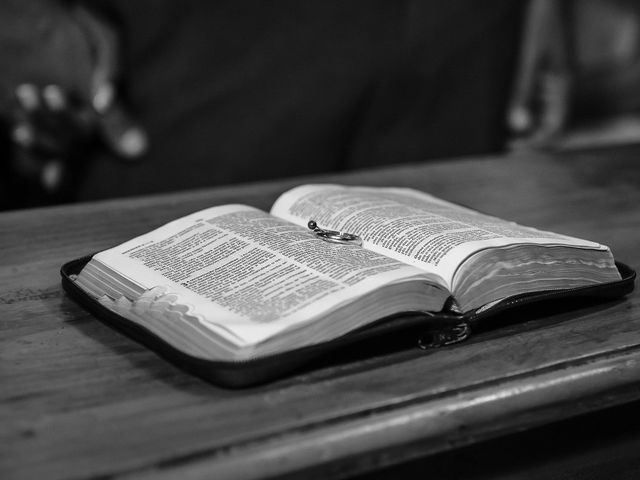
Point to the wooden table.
(80, 400)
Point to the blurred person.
(579, 66)
(112, 98)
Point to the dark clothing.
(233, 91)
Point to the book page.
(409, 225)
(250, 273)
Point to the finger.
(52, 174)
(103, 97)
(54, 98)
(105, 70)
(539, 43)
(122, 134)
(28, 97)
(520, 118)
(23, 135)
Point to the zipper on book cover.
(529, 298)
(459, 332)
(444, 336)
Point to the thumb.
(121, 133)
(117, 127)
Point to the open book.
(233, 283)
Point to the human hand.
(54, 125)
(539, 106)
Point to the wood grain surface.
(80, 400)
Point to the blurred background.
(115, 98)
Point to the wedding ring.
(334, 236)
